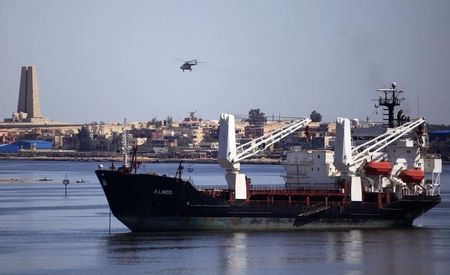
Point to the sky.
(106, 60)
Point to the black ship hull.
(145, 202)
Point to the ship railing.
(297, 163)
(433, 190)
(405, 191)
(365, 124)
(420, 191)
(293, 188)
(282, 188)
(268, 187)
(211, 187)
(312, 209)
(298, 176)
(432, 156)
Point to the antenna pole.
(109, 229)
(418, 105)
(125, 144)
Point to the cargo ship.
(386, 181)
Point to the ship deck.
(279, 194)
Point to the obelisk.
(29, 93)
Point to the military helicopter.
(187, 65)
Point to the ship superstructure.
(388, 159)
(394, 162)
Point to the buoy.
(65, 182)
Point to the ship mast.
(125, 146)
(389, 99)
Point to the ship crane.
(230, 155)
(348, 160)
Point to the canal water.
(42, 231)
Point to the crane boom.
(362, 152)
(229, 156)
(349, 159)
(260, 144)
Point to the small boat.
(383, 168)
(80, 181)
(412, 175)
(45, 179)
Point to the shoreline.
(141, 159)
(29, 181)
(151, 160)
(118, 159)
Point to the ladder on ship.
(310, 214)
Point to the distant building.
(440, 135)
(252, 132)
(440, 143)
(34, 144)
(9, 148)
(192, 128)
(7, 137)
(25, 145)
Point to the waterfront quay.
(193, 139)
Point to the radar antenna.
(389, 99)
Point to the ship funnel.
(343, 145)
(227, 142)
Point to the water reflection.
(344, 246)
(386, 251)
(170, 252)
(234, 253)
(43, 232)
(352, 252)
(135, 248)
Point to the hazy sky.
(105, 60)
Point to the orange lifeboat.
(412, 175)
(378, 168)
